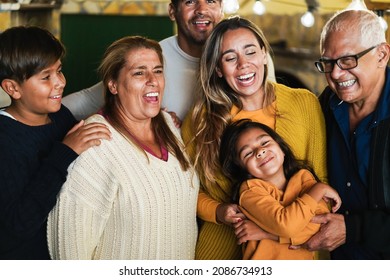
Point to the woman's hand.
(229, 214)
(175, 118)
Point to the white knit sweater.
(116, 204)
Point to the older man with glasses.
(347, 62)
(356, 106)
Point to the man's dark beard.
(193, 40)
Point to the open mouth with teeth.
(266, 160)
(347, 83)
(152, 96)
(56, 97)
(246, 78)
(202, 23)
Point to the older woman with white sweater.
(133, 197)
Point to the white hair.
(363, 21)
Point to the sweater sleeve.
(310, 229)
(73, 228)
(207, 207)
(77, 222)
(268, 213)
(316, 147)
(302, 125)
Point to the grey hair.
(364, 21)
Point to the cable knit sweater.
(118, 203)
(300, 123)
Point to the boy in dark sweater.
(39, 139)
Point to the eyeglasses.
(345, 62)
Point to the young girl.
(39, 138)
(274, 190)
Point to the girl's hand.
(246, 230)
(323, 191)
(331, 196)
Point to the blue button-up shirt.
(348, 161)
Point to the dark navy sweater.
(33, 167)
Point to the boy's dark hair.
(27, 50)
(229, 160)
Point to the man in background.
(195, 20)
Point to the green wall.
(87, 36)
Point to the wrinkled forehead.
(344, 39)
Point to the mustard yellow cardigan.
(300, 122)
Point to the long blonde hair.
(215, 98)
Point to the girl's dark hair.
(27, 50)
(229, 160)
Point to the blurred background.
(87, 27)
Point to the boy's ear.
(11, 88)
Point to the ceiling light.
(230, 6)
(307, 19)
(258, 8)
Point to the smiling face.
(260, 155)
(38, 95)
(362, 82)
(140, 84)
(196, 19)
(242, 63)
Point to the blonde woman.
(234, 85)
